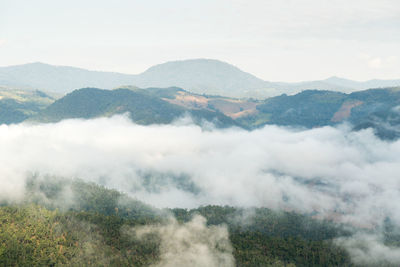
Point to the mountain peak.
(194, 64)
(335, 78)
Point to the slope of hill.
(203, 76)
(60, 79)
(18, 105)
(208, 76)
(373, 108)
(102, 228)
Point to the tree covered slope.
(374, 108)
(96, 226)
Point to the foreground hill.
(98, 227)
(203, 76)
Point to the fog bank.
(325, 170)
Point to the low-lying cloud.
(190, 244)
(349, 177)
(369, 250)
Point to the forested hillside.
(374, 108)
(98, 228)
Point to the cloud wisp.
(189, 244)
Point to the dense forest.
(71, 222)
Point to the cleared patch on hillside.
(345, 110)
(234, 108)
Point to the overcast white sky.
(276, 40)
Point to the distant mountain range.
(202, 76)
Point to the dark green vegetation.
(375, 108)
(262, 237)
(71, 222)
(64, 222)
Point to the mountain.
(207, 76)
(373, 108)
(334, 84)
(202, 76)
(144, 107)
(198, 75)
(356, 85)
(60, 79)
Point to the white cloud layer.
(369, 250)
(328, 170)
(349, 177)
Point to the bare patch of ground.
(345, 110)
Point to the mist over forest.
(330, 174)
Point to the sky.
(276, 40)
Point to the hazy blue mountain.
(356, 85)
(208, 76)
(60, 79)
(335, 84)
(202, 76)
(199, 76)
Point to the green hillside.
(375, 108)
(93, 230)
